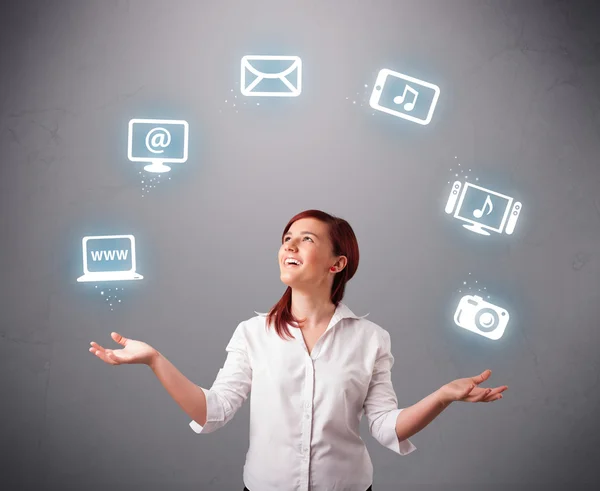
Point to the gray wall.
(519, 106)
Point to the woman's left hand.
(468, 390)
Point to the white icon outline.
(248, 90)
(509, 217)
(472, 307)
(382, 76)
(157, 164)
(98, 276)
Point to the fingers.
(496, 397)
(482, 395)
(469, 390)
(476, 395)
(492, 394)
(482, 376)
(492, 397)
(96, 346)
(105, 355)
(118, 338)
(498, 390)
(496, 393)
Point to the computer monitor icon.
(158, 141)
(109, 258)
(484, 210)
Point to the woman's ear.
(341, 263)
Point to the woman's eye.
(305, 237)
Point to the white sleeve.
(231, 386)
(381, 404)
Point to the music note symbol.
(478, 213)
(399, 99)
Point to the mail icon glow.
(271, 76)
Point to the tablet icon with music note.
(405, 97)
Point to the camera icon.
(475, 314)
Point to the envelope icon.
(271, 76)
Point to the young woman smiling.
(314, 369)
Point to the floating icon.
(404, 97)
(271, 76)
(481, 317)
(158, 141)
(109, 258)
(483, 209)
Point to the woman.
(314, 369)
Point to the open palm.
(468, 390)
(132, 352)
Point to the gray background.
(519, 106)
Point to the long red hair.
(344, 243)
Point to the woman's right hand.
(132, 352)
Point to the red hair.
(344, 243)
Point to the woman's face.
(306, 254)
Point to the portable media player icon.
(158, 141)
(271, 76)
(484, 210)
(404, 96)
(109, 258)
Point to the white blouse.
(305, 409)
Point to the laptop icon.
(109, 258)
